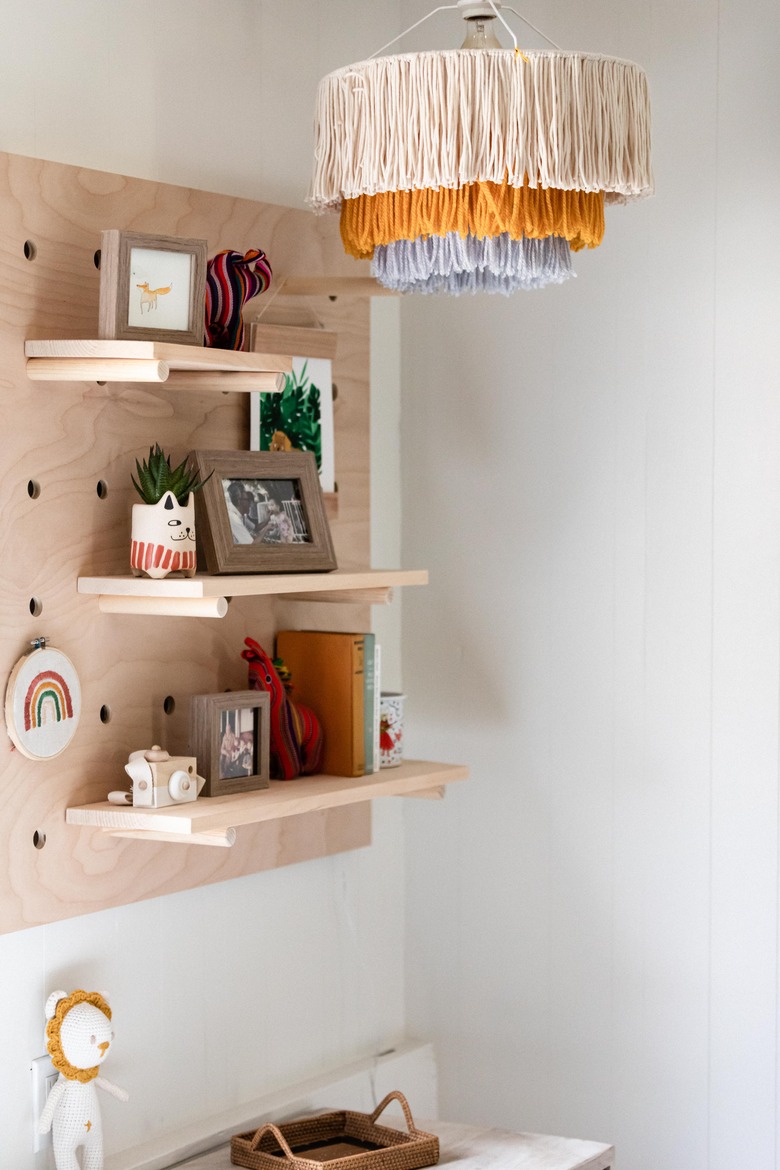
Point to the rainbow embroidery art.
(43, 703)
(48, 698)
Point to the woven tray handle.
(281, 1139)
(396, 1095)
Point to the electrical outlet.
(44, 1078)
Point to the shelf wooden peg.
(264, 383)
(218, 838)
(333, 286)
(44, 369)
(349, 596)
(210, 607)
(437, 793)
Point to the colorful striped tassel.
(231, 281)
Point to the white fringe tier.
(454, 265)
(576, 121)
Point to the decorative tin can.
(391, 729)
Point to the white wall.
(214, 94)
(592, 473)
(386, 478)
(222, 994)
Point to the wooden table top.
(468, 1147)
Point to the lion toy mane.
(78, 1038)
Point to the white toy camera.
(160, 779)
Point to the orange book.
(327, 675)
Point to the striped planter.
(163, 538)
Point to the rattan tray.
(342, 1141)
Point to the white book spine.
(377, 700)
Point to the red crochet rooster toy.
(296, 732)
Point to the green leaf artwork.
(292, 420)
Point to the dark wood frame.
(213, 524)
(205, 712)
(115, 250)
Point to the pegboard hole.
(33, 489)
(105, 714)
(30, 250)
(169, 705)
(36, 606)
(39, 839)
(96, 258)
(102, 489)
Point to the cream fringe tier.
(454, 265)
(573, 121)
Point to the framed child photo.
(262, 512)
(152, 288)
(230, 736)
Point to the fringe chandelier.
(479, 168)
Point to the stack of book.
(338, 676)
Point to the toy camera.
(160, 779)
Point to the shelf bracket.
(437, 793)
(210, 607)
(219, 838)
(333, 286)
(382, 596)
(263, 382)
(54, 369)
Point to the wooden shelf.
(207, 596)
(193, 366)
(212, 821)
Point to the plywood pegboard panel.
(69, 438)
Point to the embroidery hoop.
(42, 702)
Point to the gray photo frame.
(230, 736)
(235, 532)
(137, 285)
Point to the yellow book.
(327, 675)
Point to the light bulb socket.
(470, 10)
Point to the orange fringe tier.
(478, 209)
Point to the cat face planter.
(163, 538)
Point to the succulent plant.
(156, 477)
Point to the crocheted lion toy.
(78, 1037)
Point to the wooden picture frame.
(152, 288)
(262, 512)
(230, 736)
